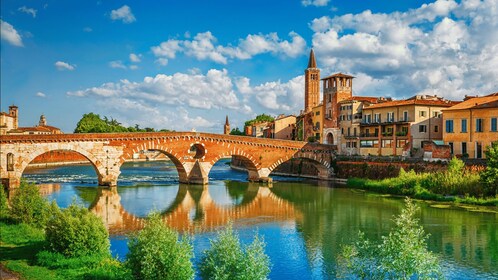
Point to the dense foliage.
(4, 207)
(489, 177)
(28, 206)
(155, 252)
(93, 123)
(75, 232)
(453, 184)
(226, 259)
(236, 131)
(402, 254)
(258, 119)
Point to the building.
(471, 126)
(350, 116)
(398, 127)
(284, 127)
(9, 124)
(226, 127)
(258, 129)
(336, 88)
(311, 84)
(9, 121)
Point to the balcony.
(367, 135)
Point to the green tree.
(456, 167)
(236, 131)
(402, 254)
(489, 177)
(226, 259)
(4, 207)
(258, 119)
(76, 232)
(28, 206)
(155, 252)
(91, 123)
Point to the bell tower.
(226, 127)
(311, 84)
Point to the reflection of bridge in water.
(193, 209)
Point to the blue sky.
(186, 64)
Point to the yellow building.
(350, 116)
(398, 127)
(471, 126)
(284, 127)
(9, 121)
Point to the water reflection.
(197, 208)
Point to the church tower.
(226, 127)
(311, 84)
(43, 121)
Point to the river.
(303, 223)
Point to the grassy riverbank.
(22, 251)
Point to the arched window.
(10, 162)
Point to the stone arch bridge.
(193, 153)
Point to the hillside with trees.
(93, 123)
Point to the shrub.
(75, 232)
(226, 259)
(489, 177)
(28, 206)
(156, 253)
(4, 207)
(402, 254)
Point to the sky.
(185, 65)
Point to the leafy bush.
(75, 232)
(489, 177)
(156, 253)
(4, 207)
(402, 254)
(28, 206)
(226, 259)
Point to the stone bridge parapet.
(193, 153)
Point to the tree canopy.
(93, 123)
(258, 119)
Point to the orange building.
(9, 121)
(394, 127)
(471, 126)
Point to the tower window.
(10, 162)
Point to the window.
(423, 113)
(317, 113)
(367, 118)
(464, 125)
(369, 143)
(479, 123)
(436, 128)
(377, 117)
(422, 128)
(390, 116)
(10, 162)
(436, 114)
(405, 116)
(349, 131)
(349, 117)
(464, 148)
(449, 126)
(354, 144)
(401, 143)
(387, 143)
(493, 125)
(451, 147)
(354, 131)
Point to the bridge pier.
(11, 182)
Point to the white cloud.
(87, 29)
(442, 48)
(124, 13)
(317, 3)
(135, 58)
(204, 47)
(9, 34)
(41, 94)
(29, 11)
(61, 66)
(118, 64)
(133, 67)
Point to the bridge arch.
(26, 159)
(150, 146)
(241, 157)
(323, 168)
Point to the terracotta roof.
(340, 75)
(361, 98)
(40, 128)
(488, 101)
(423, 102)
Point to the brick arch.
(249, 162)
(321, 165)
(150, 146)
(27, 159)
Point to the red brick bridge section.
(193, 153)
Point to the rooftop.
(422, 100)
(338, 75)
(488, 101)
